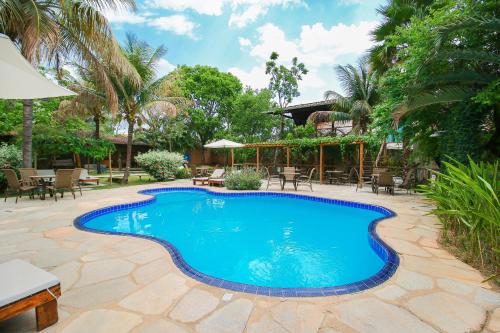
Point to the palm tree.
(153, 93)
(360, 85)
(396, 13)
(54, 30)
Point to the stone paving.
(125, 284)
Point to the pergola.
(258, 146)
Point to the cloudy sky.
(239, 35)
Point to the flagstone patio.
(125, 284)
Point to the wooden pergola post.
(232, 157)
(321, 163)
(258, 158)
(361, 164)
(288, 156)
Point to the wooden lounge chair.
(17, 187)
(306, 180)
(76, 178)
(86, 178)
(64, 181)
(215, 180)
(272, 179)
(408, 182)
(218, 173)
(385, 180)
(25, 287)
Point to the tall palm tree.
(395, 13)
(152, 93)
(54, 30)
(360, 85)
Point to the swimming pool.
(262, 243)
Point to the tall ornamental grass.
(466, 198)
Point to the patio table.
(284, 179)
(43, 181)
(333, 175)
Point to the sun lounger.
(85, 178)
(217, 174)
(25, 287)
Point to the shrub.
(466, 198)
(162, 165)
(243, 180)
(10, 158)
(183, 173)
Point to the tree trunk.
(97, 136)
(380, 152)
(202, 153)
(128, 162)
(27, 132)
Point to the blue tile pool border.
(384, 251)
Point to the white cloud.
(206, 7)
(244, 42)
(121, 16)
(164, 67)
(247, 11)
(249, 15)
(178, 24)
(317, 45)
(255, 77)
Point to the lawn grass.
(132, 181)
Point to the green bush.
(10, 158)
(243, 180)
(183, 173)
(466, 198)
(162, 165)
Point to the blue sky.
(239, 35)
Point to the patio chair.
(76, 178)
(64, 181)
(289, 175)
(306, 180)
(214, 179)
(25, 287)
(26, 174)
(272, 178)
(385, 180)
(218, 173)
(17, 187)
(86, 178)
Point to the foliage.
(212, 94)
(10, 158)
(183, 173)
(433, 73)
(162, 165)
(162, 131)
(243, 180)
(153, 93)
(360, 84)
(249, 120)
(284, 82)
(467, 202)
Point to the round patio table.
(43, 181)
(333, 175)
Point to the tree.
(212, 94)
(53, 30)
(396, 13)
(153, 93)
(250, 120)
(284, 83)
(162, 131)
(360, 84)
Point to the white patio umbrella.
(20, 80)
(225, 144)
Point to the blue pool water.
(277, 242)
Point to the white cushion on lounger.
(19, 279)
